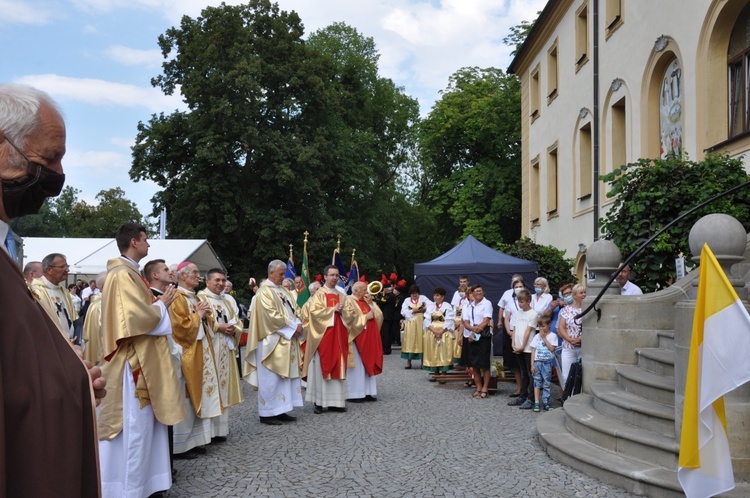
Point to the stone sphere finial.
(603, 257)
(727, 239)
(724, 234)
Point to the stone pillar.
(727, 239)
(603, 257)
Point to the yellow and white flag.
(719, 363)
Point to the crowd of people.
(140, 367)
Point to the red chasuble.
(334, 346)
(370, 344)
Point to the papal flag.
(719, 363)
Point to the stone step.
(635, 476)
(645, 384)
(656, 360)
(615, 435)
(666, 339)
(611, 400)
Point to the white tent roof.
(90, 256)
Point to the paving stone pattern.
(419, 439)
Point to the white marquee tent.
(87, 257)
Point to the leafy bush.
(551, 261)
(652, 192)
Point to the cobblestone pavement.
(419, 439)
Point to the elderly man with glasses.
(51, 291)
(49, 445)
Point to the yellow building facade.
(673, 76)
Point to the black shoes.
(339, 409)
(270, 421)
(370, 398)
(285, 417)
(219, 439)
(188, 455)
(318, 410)
(356, 400)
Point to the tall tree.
(280, 136)
(471, 157)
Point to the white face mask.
(517, 290)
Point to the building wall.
(695, 31)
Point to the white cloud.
(101, 92)
(105, 160)
(133, 56)
(19, 12)
(123, 143)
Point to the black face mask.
(26, 195)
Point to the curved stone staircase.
(623, 432)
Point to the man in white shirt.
(463, 280)
(627, 288)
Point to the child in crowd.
(542, 353)
(524, 324)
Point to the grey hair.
(19, 115)
(100, 278)
(543, 282)
(185, 269)
(49, 259)
(275, 265)
(314, 287)
(359, 285)
(288, 281)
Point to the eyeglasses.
(59, 266)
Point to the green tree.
(281, 136)
(650, 193)
(471, 157)
(551, 261)
(68, 216)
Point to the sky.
(96, 58)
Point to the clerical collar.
(191, 292)
(132, 262)
(156, 291)
(50, 284)
(211, 293)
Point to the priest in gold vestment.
(225, 330)
(52, 293)
(143, 395)
(190, 331)
(92, 326)
(327, 345)
(272, 363)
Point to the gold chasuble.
(324, 320)
(271, 314)
(198, 365)
(224, 346)
(128, 315)
(56, 301)
(92, 331)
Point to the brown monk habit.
(48, 443)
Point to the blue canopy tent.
(483, 265)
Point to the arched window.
(670, 110)
(738, 63)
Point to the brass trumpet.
(375, 289)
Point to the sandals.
(469, 383)
(483, 395)
(477, 394)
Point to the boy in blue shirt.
(542, 353)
